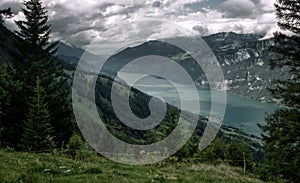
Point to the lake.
(241, 112)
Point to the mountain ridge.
(243, 58)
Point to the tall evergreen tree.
(35, 47)
(34, 58)
(282, 131)
(38, 132)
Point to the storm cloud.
(80, 22)
(202, 30)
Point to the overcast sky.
(79, 22)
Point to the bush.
(75, 147)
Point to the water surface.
(240, 112)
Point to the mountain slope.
(139, 103)
(245, 63)
(72, 55)
(243, 58)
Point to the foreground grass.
(28, 167)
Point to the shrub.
(75, 147)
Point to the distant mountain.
(243, 58)
(245, 63)
(69, 50)
(72, 55)
(7, 38)
(69, 54)
(139, 101)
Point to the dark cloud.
(197, 6)
(202, 30)
(156, 4)
(81, 39)
(74, 28)
(105, 5)
(238, 9)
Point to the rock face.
(245, 63)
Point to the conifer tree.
(38, 132)
(282, 131)
(35, 47)
(34, 58)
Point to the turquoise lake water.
(240, 112)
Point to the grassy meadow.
(54, 167)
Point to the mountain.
(243, 58)
(67, 53)
(72, 55)
(245, 64)
(139, 101)
(6, 38)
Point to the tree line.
(35, 106)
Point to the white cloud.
(267, 18)
(267, 5)
(112, 10)
(82, 21)
(238, 9)
(115, 19)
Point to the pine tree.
(35, 49)
(34, 58)
(37, 135)
(282, 132)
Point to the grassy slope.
(27, 167)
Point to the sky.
(81, 22)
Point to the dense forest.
(36, 107)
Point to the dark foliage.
(282, 131)
(38, 132)
(31, 58)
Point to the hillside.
(139, 104)
(243, 59)
(28, 167)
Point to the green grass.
(29, 167)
